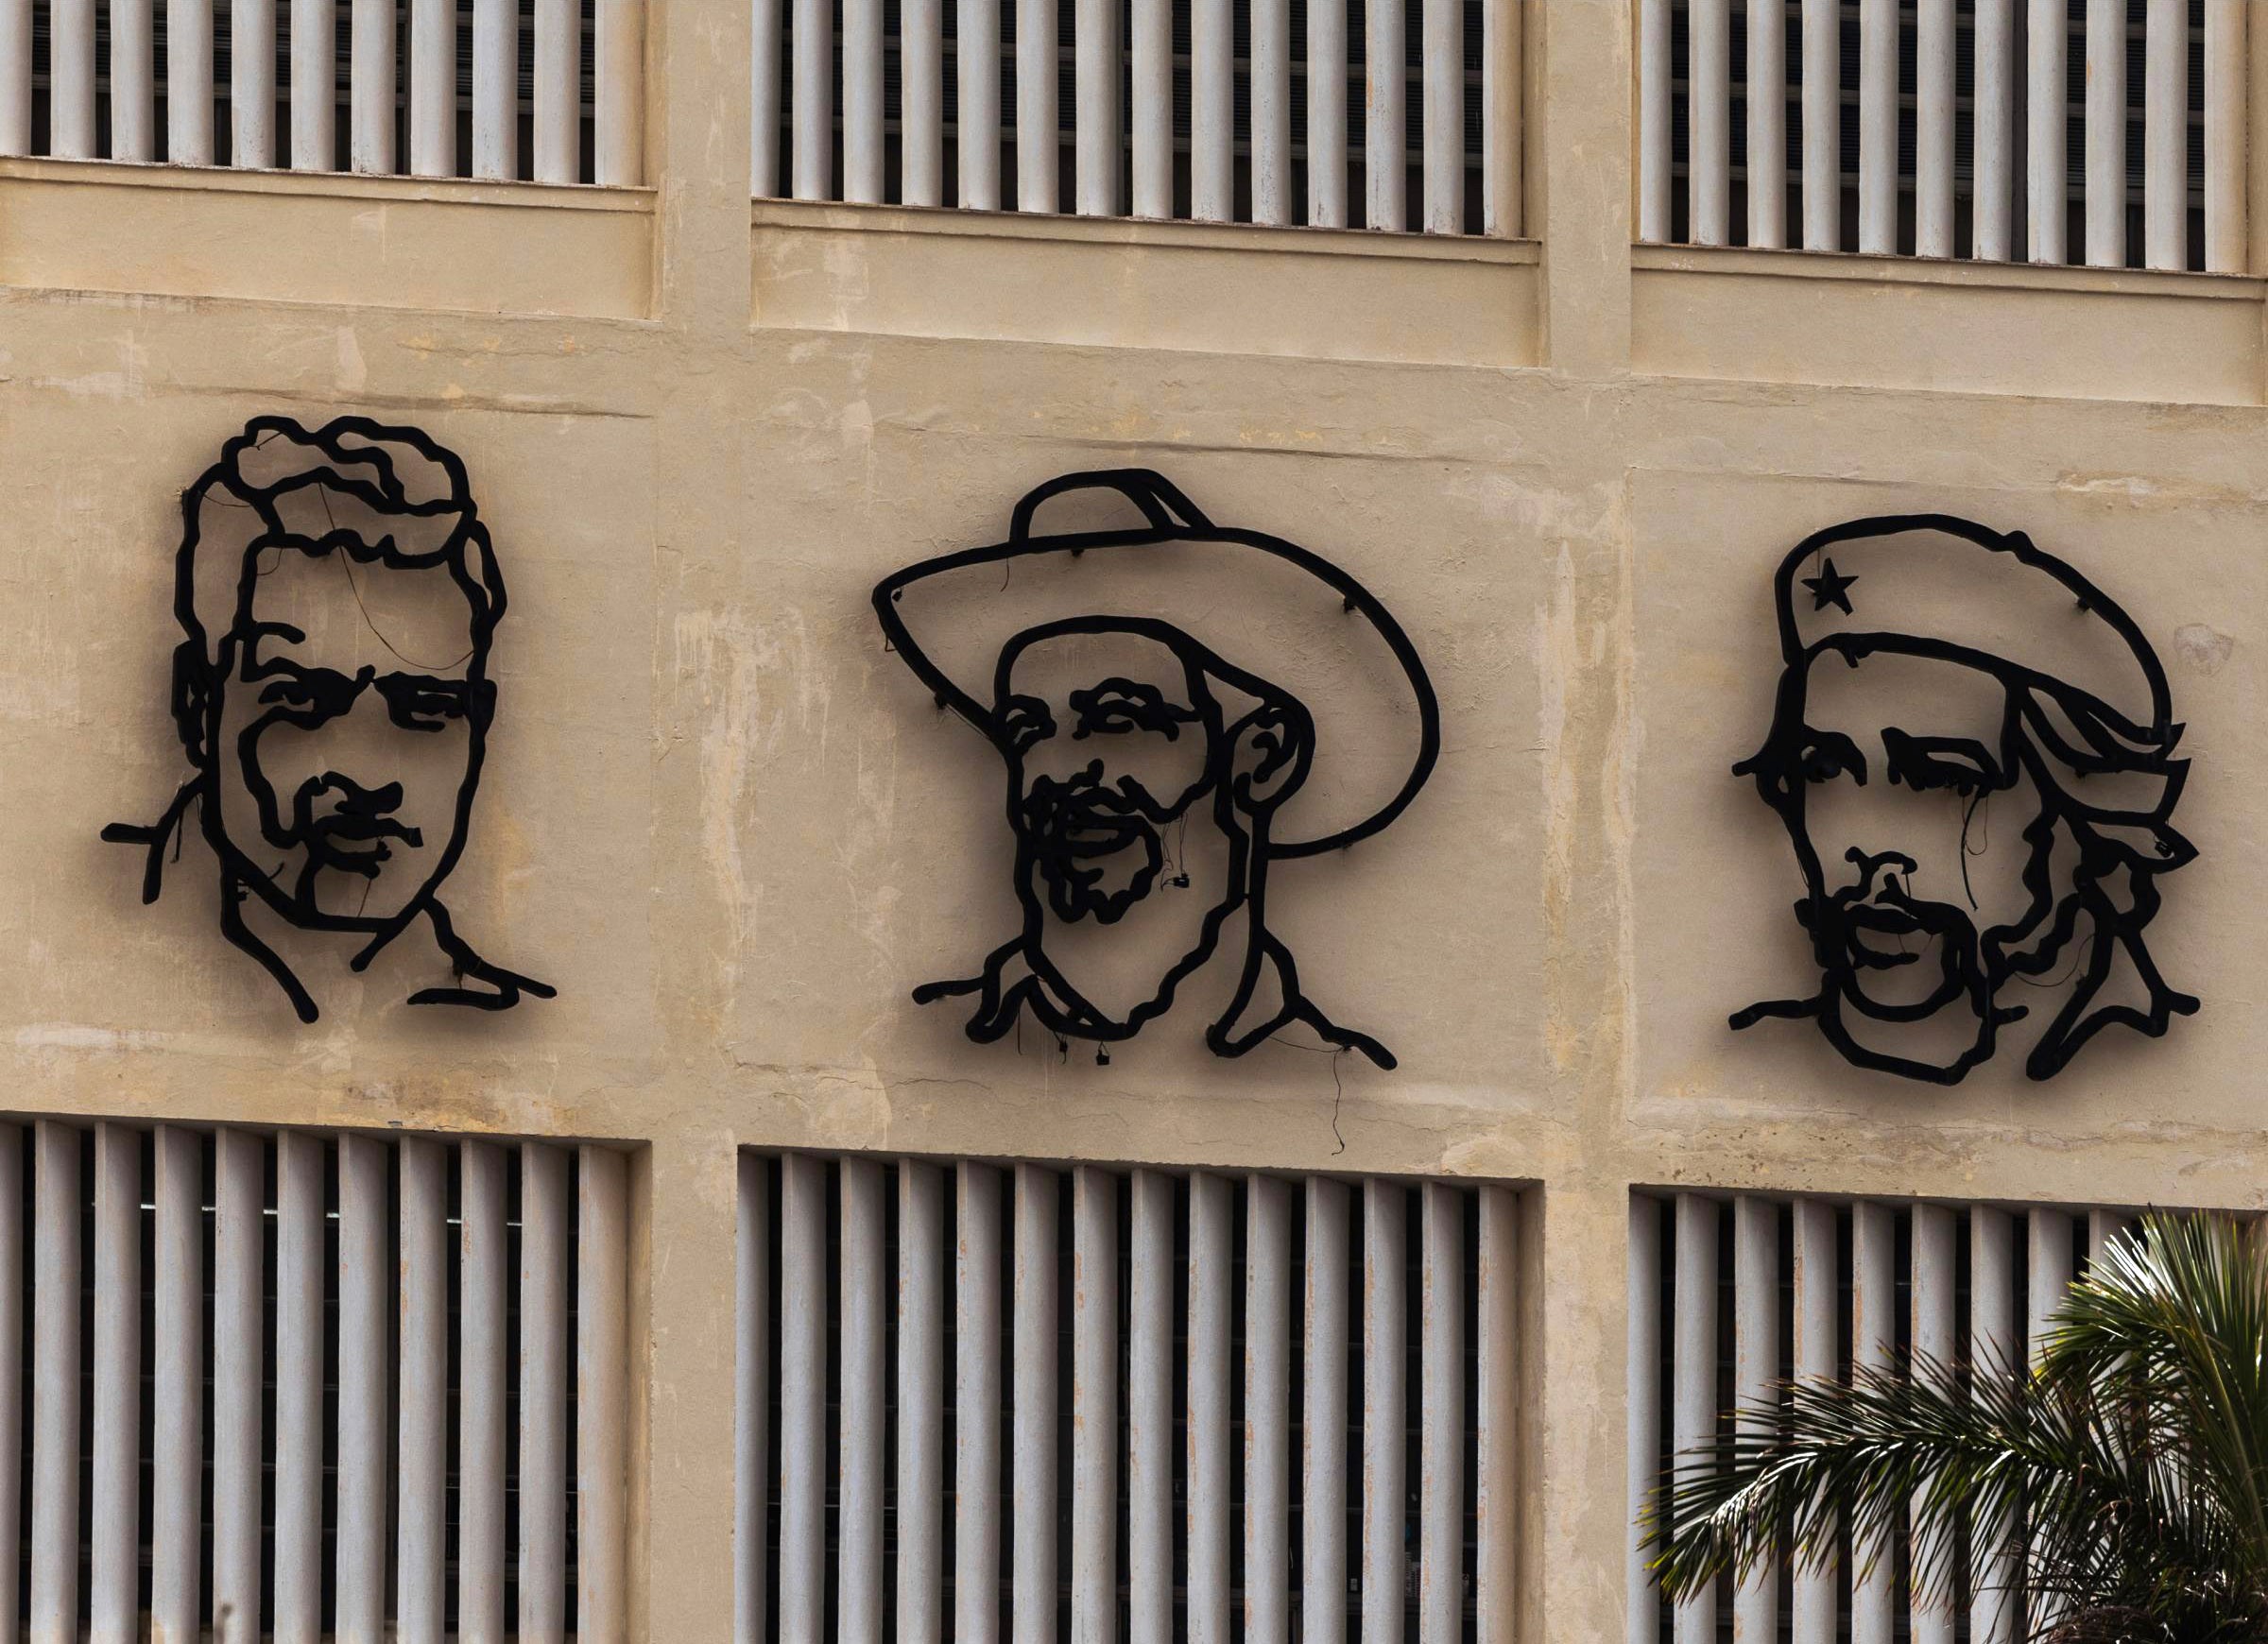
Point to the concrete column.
(1584, 210)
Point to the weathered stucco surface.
(733, 832)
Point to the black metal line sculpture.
(271, 721)
(2094, 782)
(1123, 733)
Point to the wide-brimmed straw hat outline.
(1172, 563)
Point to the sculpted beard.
(1083, 836)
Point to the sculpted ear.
(192, 700)
(1274, 745)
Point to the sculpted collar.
(1011, 983)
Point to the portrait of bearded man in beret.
(1972, 752)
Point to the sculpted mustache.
(347, 825)
(1095, 807)
(1888, 911)
(1881, 898)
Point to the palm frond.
(2177, 1313)
(2134, 1456)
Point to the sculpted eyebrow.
(1128, 700)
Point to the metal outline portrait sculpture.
(2053, 733)
(338, 825)
(1252, 765)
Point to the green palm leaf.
(2134, 1456)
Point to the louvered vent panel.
(983, 1401)
(313, 1385)
(1732, 1296)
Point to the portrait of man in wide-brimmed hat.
(1972, 751)
(1178, 706)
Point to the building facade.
(1347, 1280)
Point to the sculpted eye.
(1118, 714)
(421, 702)
(1116, 706)
(1023, 721)
(1825, 758)
(312, 692)
(1929, 764)
(1951, 774)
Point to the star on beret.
(1831, 587)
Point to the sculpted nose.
(1897, 859)
(1875, 868)
(353, 799)
(1066, 773)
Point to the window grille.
(2109, 132)
(1398, 115)
(1087, 1402)
(311, 1386)
(546, 91)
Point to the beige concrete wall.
(734, 834)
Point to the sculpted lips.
(1084, 821)
(354, 833)
(1880, 936)
(1087, 829)
(333, 830)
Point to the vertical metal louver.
(1390, 115)
(546, 91)
(1730, 1296)
(2107, 132)
(349, 1386)
(1089, 1402)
